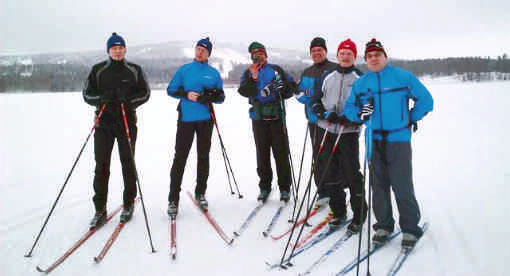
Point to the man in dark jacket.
(111, 83)
(197, 85)
(266, 86)
(306, 92)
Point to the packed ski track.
(460, 153)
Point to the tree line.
(71, 76)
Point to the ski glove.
(332, 117)
(366, 112)
(211, 95)
(318, 108)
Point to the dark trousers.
(183, 141)
(269, 135)
(343, 172)
(104, 138)
(392, 169)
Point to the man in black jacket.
(111, 83)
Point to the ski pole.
(333, 150)
(96, 122)
(226, 160)
(128, 135)
(299, 175)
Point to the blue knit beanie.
(206, 43)
(115, 40)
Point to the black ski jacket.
(112, 81)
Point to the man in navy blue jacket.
(380, 99)
(197, 85)
(266, 86)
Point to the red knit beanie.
(348, 44)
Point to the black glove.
(318, 108)
(277, 88)
(332, 117)
(366, 112)
(211, 95)
(108, 96)
(122, 95)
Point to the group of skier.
(338, 100)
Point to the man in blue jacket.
(197, 85)
(306, 92)
(266, 86)
(380, 99)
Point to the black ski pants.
(392, 169)
(269, 135)
(343, 171)
(104, 139)
(183, 142)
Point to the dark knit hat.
(206, 43)
(115, 40)
(256, 47)
(318, 41)
(348, 44)
(374, 45)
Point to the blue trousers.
(392, 169)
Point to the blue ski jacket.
(306, 91)
(266, 95)
(390, 91)
(195, 76)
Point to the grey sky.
(425, 29)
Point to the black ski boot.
(284, 196)
(98, 220)
(381, 236)
(264, 194)
(202, 201)
(127, 213)
(173, 209)
(337, 220)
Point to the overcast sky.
(425, 29)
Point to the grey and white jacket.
(335, 87)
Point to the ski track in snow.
(452, 246)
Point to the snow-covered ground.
(461, 171)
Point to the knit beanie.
(256, 47)
(348, 44)
(318, 41)
(206, 43)
(115, 40)
(374, 45)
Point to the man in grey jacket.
(343, 171)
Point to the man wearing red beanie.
(343, 171)
(380, 100)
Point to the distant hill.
(67, 71)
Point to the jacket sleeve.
(305, 89)
(143, 91)
(219, 89)
(352, 108)
(423, 102)
(91, 93)
(291, 86)
(175, 88)
(248, 87)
